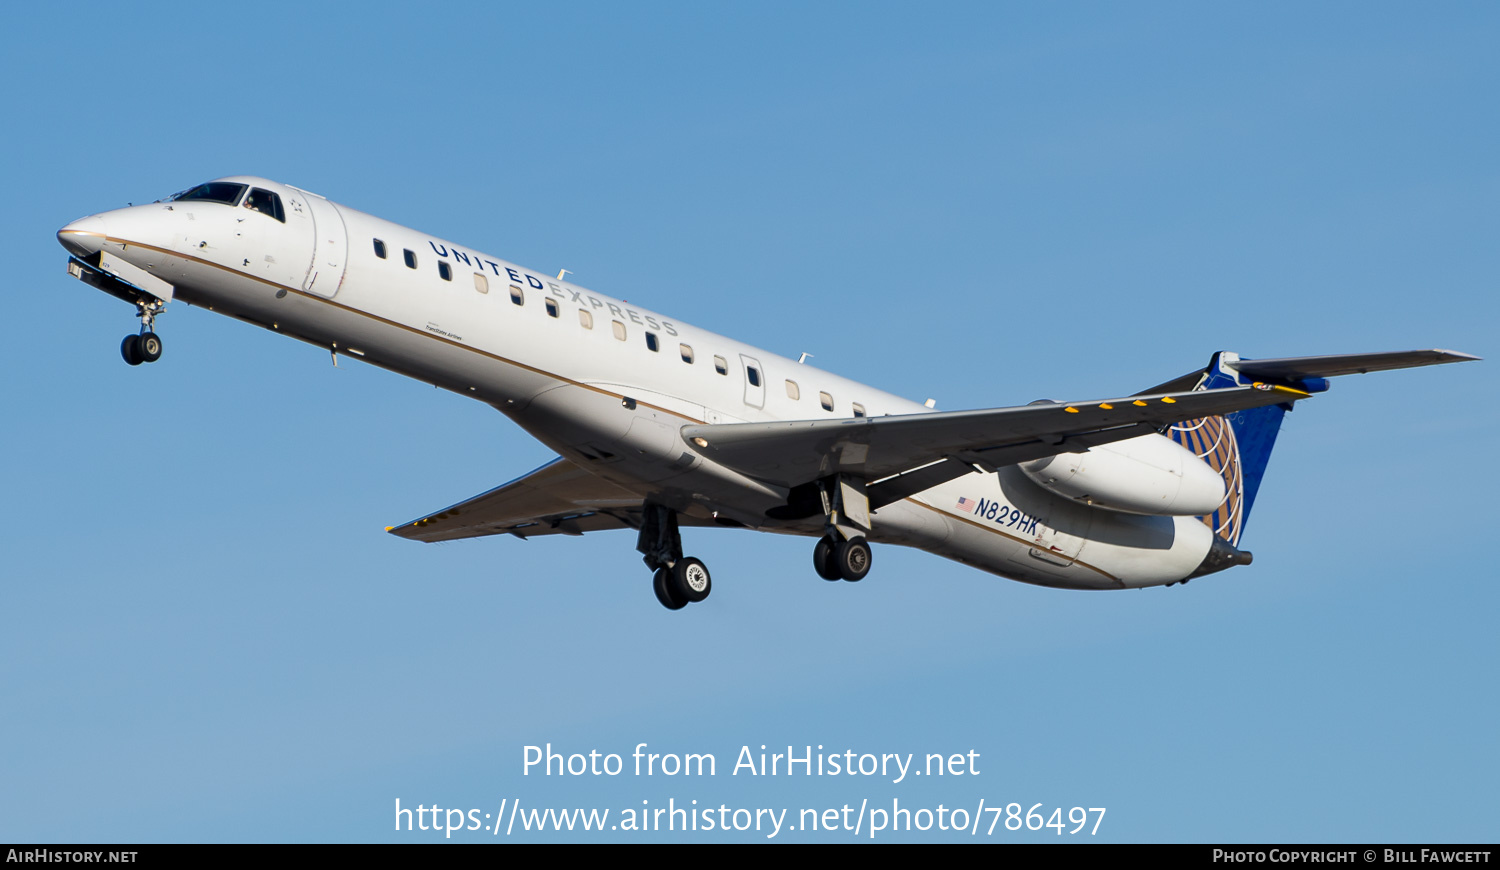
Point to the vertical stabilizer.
(1237, 446)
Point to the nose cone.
(83, 237)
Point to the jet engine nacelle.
(1151, 475)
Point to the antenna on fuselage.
(561, 273)
(804, 358)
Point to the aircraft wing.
(922, 450)
(560, 498)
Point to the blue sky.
(208, 636)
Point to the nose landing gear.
(146, 346)
(143, 348)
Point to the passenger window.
(721, 366)
(265, 202)
(791, 390)
(585, 319)
(380, 249)
(651, 342)
(753, 374)
(445, 271)
(826, 401)
(411, 258)
(859, 410)
(687, 353)
(619, 329)
(481, 283)
(517, 295)
(552, 309)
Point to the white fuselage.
(576, 369)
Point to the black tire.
(823, 560)
(664, 592)
(690, 580)
(130, 349)
(853, 559)
(148, 344)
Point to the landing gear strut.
(843, 553)
(677, 580)
(146, 346)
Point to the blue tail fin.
(1237, 445)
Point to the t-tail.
(1238, 446)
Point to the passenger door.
(330, 247)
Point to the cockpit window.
(214, 191)
(265, 202)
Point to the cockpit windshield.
(215, 191)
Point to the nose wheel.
(144, 347)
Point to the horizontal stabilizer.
(1239, 445)
(1300, 368)
(1292, 369)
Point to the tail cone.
(1221, 555)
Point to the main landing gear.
(836, 559)
(843, 553)
(145, 347)
(677, 580)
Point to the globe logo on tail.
(1212, 440)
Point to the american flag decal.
(966, 505)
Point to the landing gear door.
(330, 247)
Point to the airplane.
(659, 425)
